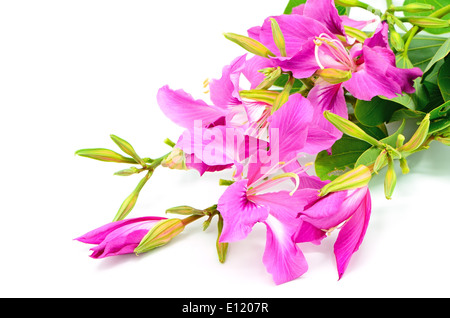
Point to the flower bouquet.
(310, 82)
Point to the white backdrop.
(73, 72)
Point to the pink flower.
(347, 210)
(120, 237)
(227, 114)
(254, 198)
(316, 41)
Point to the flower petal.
(184, 110)
(238, 212)
(352, 233)
(325, 96)
(282, 257)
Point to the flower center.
(332, 53)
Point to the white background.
(73, 72)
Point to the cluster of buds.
(361, 175)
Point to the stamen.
(290, 175)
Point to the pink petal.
(352, 233)
(238, 212)
(183, 110)
(282, 257)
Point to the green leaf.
(440, 54)
(443, 80)
(344, 154)
(422, 50)
(440, 118)
(376, 111)
(437, 4)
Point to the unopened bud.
(418, 137)
(356, 178)
(175, 160)
(415, 7)
(185, 210)
(283, 97)
(404, 166)
(390, 179)
(221, 248)
(381, 161)
(400, 141)
(348, 3)
(334, 76)
(129, 203)
(355, 33)
(104, 155)
(350, 128)
(127, 172)
(249, 44)
(396, 40)
(261, 95)
(428, 22)
(127, 148)
(162, 233)
(278, 37)
(271, 76)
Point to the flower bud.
(350, 128)
(404, 165)
(381, 161)
(127, 148)
(278, 37)
(162, 233)
(356, 178)
(261, 95)
(221, 247)
(129, 203)
(127, 172)
(428, 22)
(175, 160)
(390, 179)
(334, 76)
(396, 40)
(104, 155)
(418, 137)
(185, 210)
(271, 76)
(283, 97)
(249, 44)
(415, 7)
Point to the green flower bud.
(351, 129)
(356, 178)
(249, 44)
(396, 40)
(221, 248)
(127, 172)
(129, 203)
(104, 155)
(278, 37)
(390, 179)
(162, 233)
(283, 97)
(127, 148)
(261, 95)
(185, 210)
(428, 22)
(415, 7)
(404, 165)
(418, 137)
(271, 76)
(334, 76)
(381, 161)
